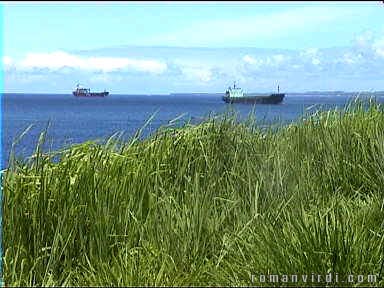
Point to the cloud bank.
(60, 60)
(169, 69)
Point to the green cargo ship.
(236, 95)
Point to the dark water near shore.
(75, 120)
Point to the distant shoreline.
(346, 93)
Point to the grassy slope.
(203, 205)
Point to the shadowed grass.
(207, 204)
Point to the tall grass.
(210, 204)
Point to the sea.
(69, 120)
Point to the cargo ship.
(85, 92)
(236, 95)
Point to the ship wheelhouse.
(234, 92)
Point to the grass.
(210, 204)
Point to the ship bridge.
(234, 91)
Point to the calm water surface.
(74, 120)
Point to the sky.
(168, 47)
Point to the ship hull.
(260, 99)
(93, 94)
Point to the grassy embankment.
(210, 204)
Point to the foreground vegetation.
(211, 204)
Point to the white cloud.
(28, 78)
(351, 58)
(378, 47)
(7, 61)
(253, 61)
(278, 59)
(201, 74)
(58, 60)
(368, 42)
(273, 60)
(312, 55)
(249, 59)
(195, 70)
(7, 64)
(310, 52)
(316, 61)
(105, 78)
(364, 39)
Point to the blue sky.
(163, 47)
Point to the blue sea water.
(75, 120)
